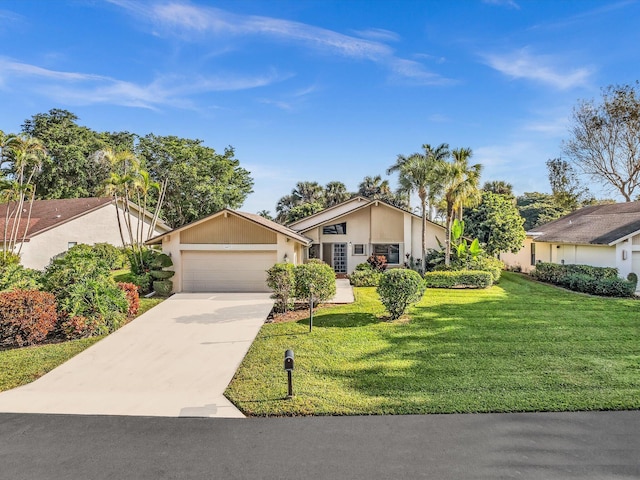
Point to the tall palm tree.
(334, 193)
(374, 188)
(308, 192)
(461, 188)
(498, 186)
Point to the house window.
(336, 229)
(314, 251)
(390, 251)
(533, 253)
(358, 249)
(70, 245)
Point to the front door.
(340, 257)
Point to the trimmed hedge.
(398, 289)
(318, 274)
(365, 278)
(26, 317)
(458, 278)
(281, 279)
(603, 281)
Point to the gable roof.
(342, 207)
(596, 225)
(49, 214)
(342, 213)
(252, 217)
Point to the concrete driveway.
(175, 360)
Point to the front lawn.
(518, 346)
(20, 366)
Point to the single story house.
(229, 251)
(346, 234)
(54, 226)
(598, 235)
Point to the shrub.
(8, 258)
(365, 278)
(78, 264)
(363, 267)
(163, 287)
(318, 277)
(556, 274)
(133, 297)
(487, 263)
(113, 256)
(602, 281)
(458, 278)
(99, 301)
(77, 327)
(633, 278)
(26, 317)
(398, 289)
(377, 262)
(282, 280)
(14, 276)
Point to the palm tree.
(374, 188)
(334, 193)
(498, 186)
(461, 188)
(308, 192)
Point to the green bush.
(365, 278)
(487, 263)
(14, 276)
(8, 258)
(318, 277)
(133, 297)
(458, 278)
(114, 257)
(281, 279)
(26, 317)
(633, 278)
(556, 273)
(398, 289)
(603, 281)
(163, 287)
(363, 267)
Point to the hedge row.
(458, 278)
(365, 278)
(603, 281)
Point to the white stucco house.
(231, 250)
(598, 235)
(54, 226)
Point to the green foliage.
(77, 264)
(363, 267)
(365, 278)
(213, 181)
(633, 278)
(568, 192)
(282, 280)
(133, 297)
(303, 210)
(398, 289)
(15, 277)
(538, 209)
(115, 257)
(497, 224)
(26, 317)
(9, 258)
(163, 287)
(487, 263)
(316, 278)
(458, 278)
(586, 279)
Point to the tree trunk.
(423, 203)
(447, 251)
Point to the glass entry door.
(340, 257)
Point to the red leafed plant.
(26, 317)
(133, 297)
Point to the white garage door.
(226, 271)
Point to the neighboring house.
(229, 251)
(599, 235)
(57, 225)
(346, 234)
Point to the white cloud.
(193, 22)
(503, 3)
(87, 89)
(378, 34)
(553, 127)
(540, 68)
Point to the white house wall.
(328, 214)
(98, 226)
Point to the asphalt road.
(583, 445)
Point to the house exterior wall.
(328, 214)
(227, 229)
(98, 226)
(522, 259)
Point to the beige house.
(598, 235)
(347, 234)
(54, 226)
(229, 251)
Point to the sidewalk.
(344, 292)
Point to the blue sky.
(322, 90)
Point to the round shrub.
(317, 277)
(114, 257)
(26, 317)
(365, 278)
(398, 289)
(14, 276)
(282, 280)
(163, 287)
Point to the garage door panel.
(226, 271)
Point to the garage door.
(226, 271)
(635, 266)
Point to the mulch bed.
(299, 312)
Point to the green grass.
(518, 346)
(20, 366)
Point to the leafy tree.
(265, 214)
(335, 193)
(199, 180)
(497, 224)
(605, 139)
(303, 210)
(498, 186)
(70, 170)
(539, 208)
(307, 198)
(567, 190)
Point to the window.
(533, 253)
(336, 229)
(71, 245)
(390, 251)
(358, 249)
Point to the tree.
(605, 139)
(199, 180)
(539, 208)
(303, 210)
(568, 192)
(308, 198)
(498, 186)
(308, 192)
(497, 224)
(374, 188)
(461, 186)
(70, 170)
(265, 214)
(335, 193)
